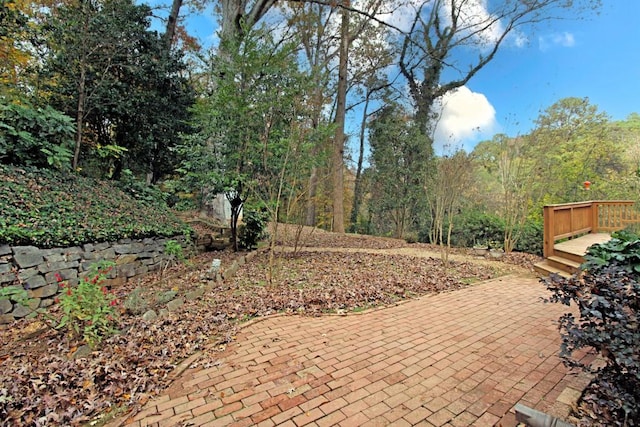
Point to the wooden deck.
(579, 245)
(570, 228)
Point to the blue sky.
(596, 57)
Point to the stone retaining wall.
(35, 269)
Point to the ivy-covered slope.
(48, 209)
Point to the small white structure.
(218, 207)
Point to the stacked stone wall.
(36, 269)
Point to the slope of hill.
(46, 209)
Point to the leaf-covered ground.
(41, 384)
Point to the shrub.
(607, 297)
(253, 228)
(46, 208)
(474, 227)
(531, 238)
(89, 308)
(30, 136)
(173, 248)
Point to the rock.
(68, 274)
(165, 297)
(5, 250)
(75, 250)
(194, 294)
(215, 265)
(35, 282)
(136, 248)
(28, 259)
(496, 253)
(5, 306)
(141, 270)
(231, 271)
(46, 303)
(118, 281)
(21, 311)
(58, 257)
(101, 246)
(175, 304)
(44, 291)
(90, 256)
(149, 316)
(27, 273)
(82, 352)
(108, 253)
(7, 277)
(126, 259)
(6, 319)
(57, 266)
(5, 267)
(122, 249)
(126, 270)
(25, 249)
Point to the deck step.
(544, 268)
(568, 265)
(568, 256)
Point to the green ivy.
(46, 208)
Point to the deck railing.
(575, 219)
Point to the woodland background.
(91, 88)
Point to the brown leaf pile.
(40, 384)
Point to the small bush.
(531, 238)
(253, 228)
(607, 297)
(31, 136)
(173, 248)
(474, 227)
(89, 308)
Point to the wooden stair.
(567, 256)
(557, 265)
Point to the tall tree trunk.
(357, 196)
(80, 115)
(172, 22)
(338, 142)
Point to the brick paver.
(455, 359)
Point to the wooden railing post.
(595, 222)
(549, 240)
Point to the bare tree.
(442, 28)
(444, 193)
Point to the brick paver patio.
(455, 359)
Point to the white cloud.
(475, 14)
(565, 39)
(464, 117)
